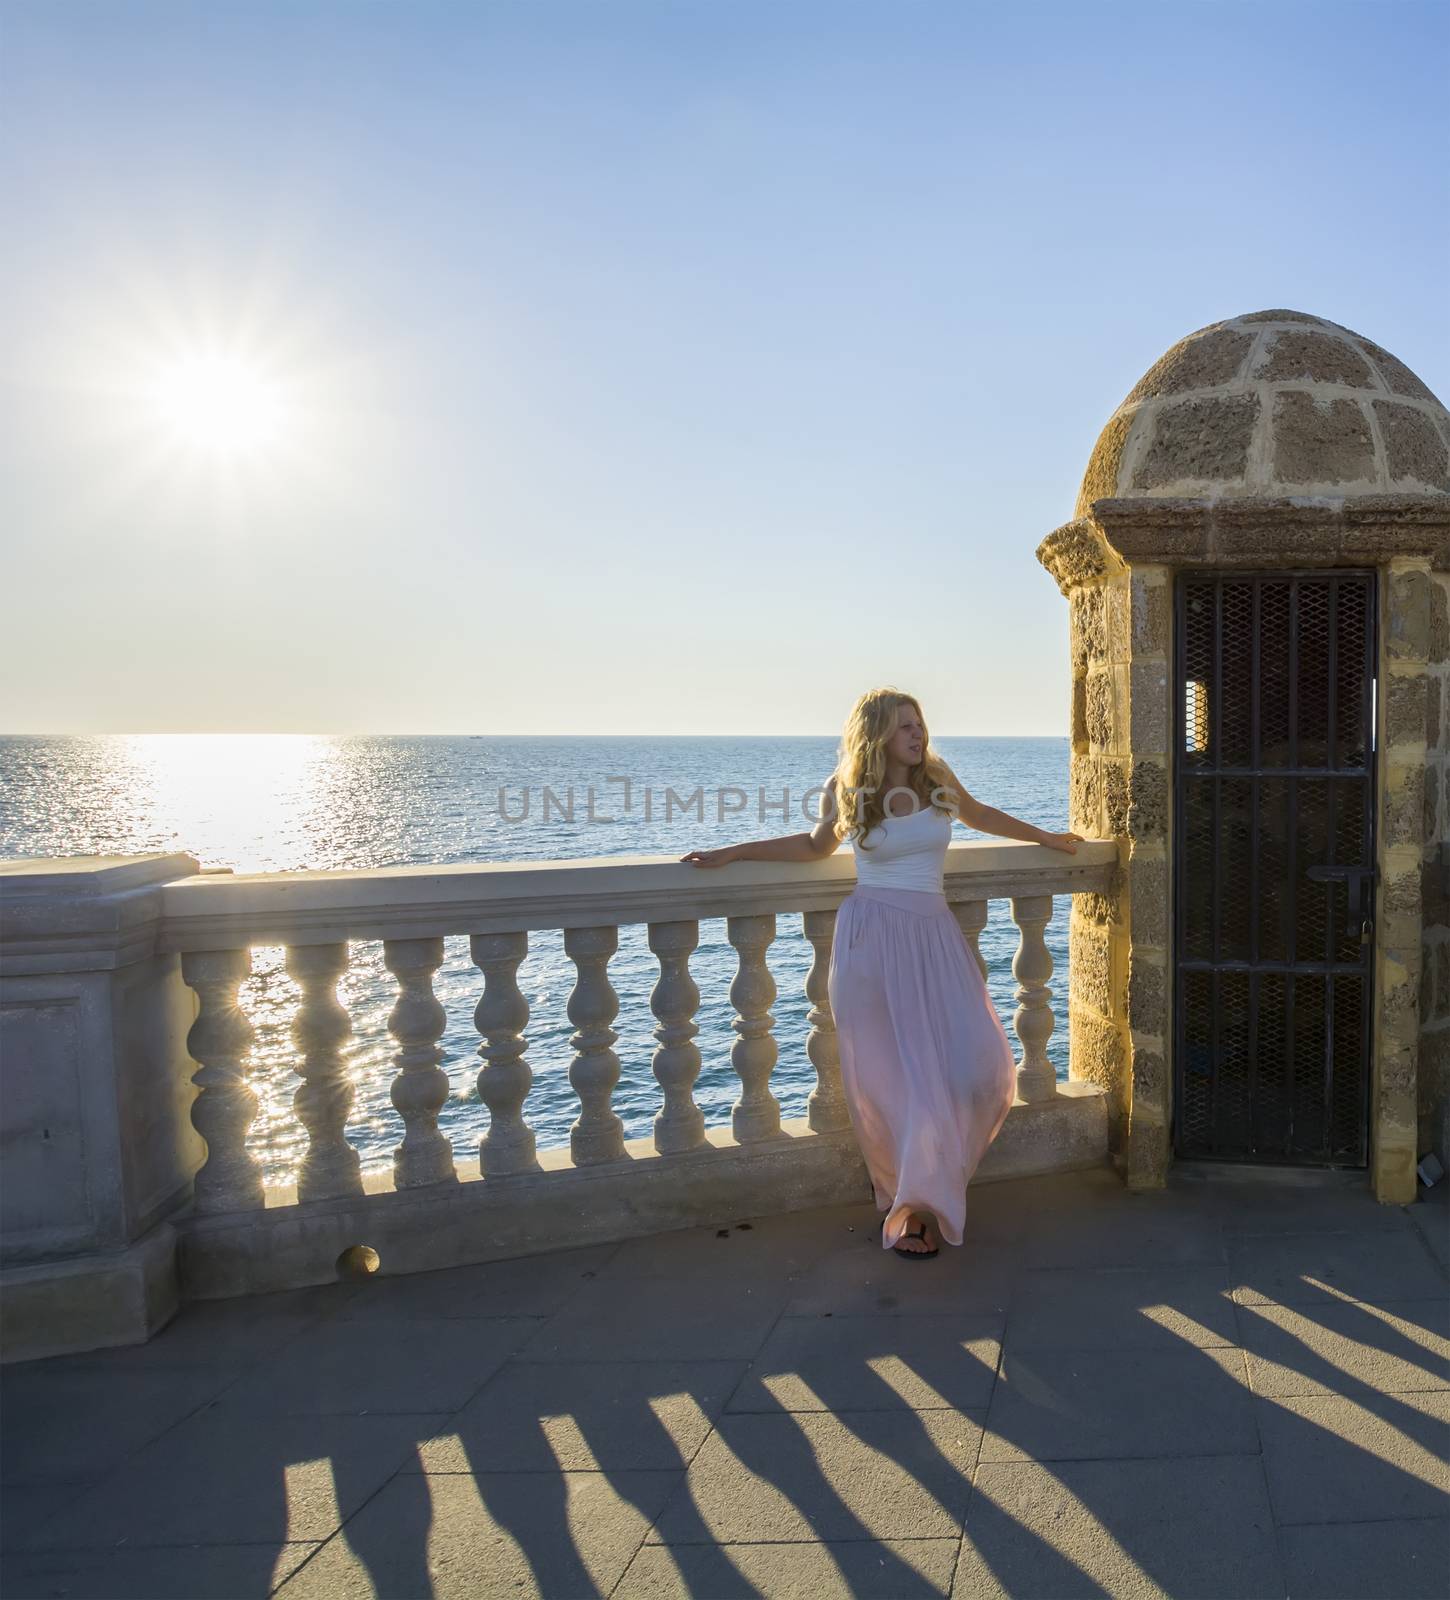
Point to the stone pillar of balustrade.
(95, 1103)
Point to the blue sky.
(653, 367)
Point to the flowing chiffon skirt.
(927, 1068)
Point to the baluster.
(971, 918)
(505, 1078)
(330, 1167)
(597, 1134)
(756, 1114)
(221, 1036)
(1032, 967)
(420, 1088)
(675, 998)
(826, 1109)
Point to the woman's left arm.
(987, 819)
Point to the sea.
(283, 802)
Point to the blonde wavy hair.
(861, 765)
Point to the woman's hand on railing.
(713, 858)
(1066, 842)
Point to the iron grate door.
(1274, 783)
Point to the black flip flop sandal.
(911, 1255)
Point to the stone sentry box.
(1269, 441)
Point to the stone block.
(1433, 691)
(1085, 796)
(1439, 629)
(1145, 1001)
(1115, 797)
(1318, 357)
(1078, 714)
(1147, 817)
(1148, 732)
(1098, 714)
(1117, 619)
(1151, 609)
(1100, 481)
(1402, 807)
(1201, 361)
(1415, 451)
(1321, 441)
(90, 1302)
(1148, 900)
(1405, 699)
(1200, 440)
(1090, 968)
(1397, 376)
(1407, 615)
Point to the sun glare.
(220, 403)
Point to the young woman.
(927, 1068)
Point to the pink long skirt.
(927, 1068)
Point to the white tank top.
(907, 852)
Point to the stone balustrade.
(439, 1206)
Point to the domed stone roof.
(1272, 404)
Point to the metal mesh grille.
(1273, 773)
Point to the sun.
(221, 403)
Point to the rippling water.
(276, 802)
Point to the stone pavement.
(1231, 1388)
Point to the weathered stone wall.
(1434, 1070)
(1119, 988)
(1405, 612)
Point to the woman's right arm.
(820, 841)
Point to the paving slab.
(1113, 1308)
(622, 1415)
(1122, 1237)
(1057, 1405)
(1368, 1560)
(26, 1510)
(1195, 1528)
(192, 1572)
(68, 1424)
(702, 1318)
(819, 1477)
(874, 1364)
(229, 1335)
(1431, 1219)
(1302, 1268)
(369, 1367)
(868, 1569)
(1345, 1347)
(237, 1477)
(457, 1537)
(784, 1246)
(1312, 1205)
(531, 1286)
(866, 1280)
(1336, 1460)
